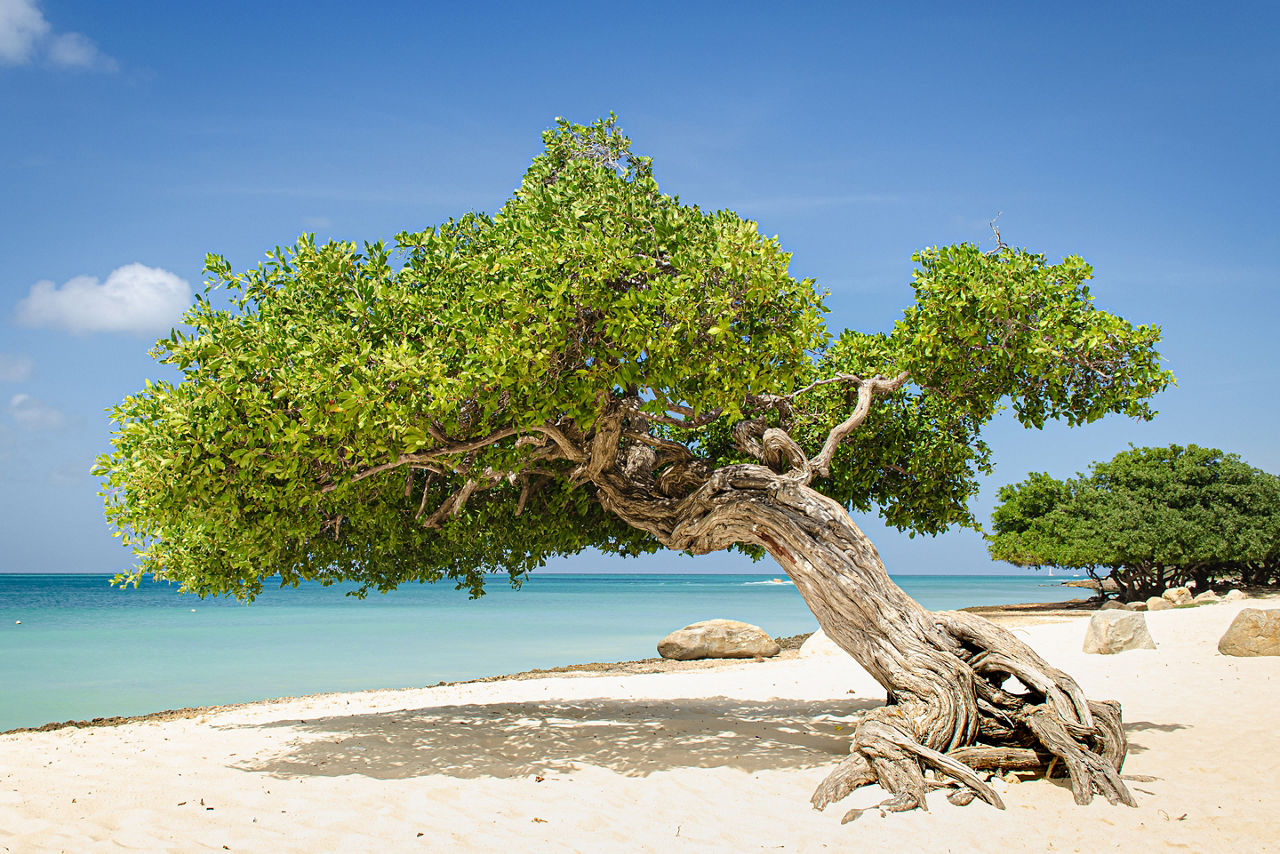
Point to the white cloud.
(75, 50)
(25, 35)
(22, 28)
(15, 369)
(134, 298)
(31, 414)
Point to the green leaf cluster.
(283, 449)
(1152, 516)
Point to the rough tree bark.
(951, 705)
(963, 695)
(944, 672)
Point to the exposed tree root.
(1037, 725)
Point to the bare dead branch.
(867, 390)
(1000, 244)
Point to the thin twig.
(1000, 244)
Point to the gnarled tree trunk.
(962, 693)
(948, 705)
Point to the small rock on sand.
(1158, 603)
(1110, 632)
(1178, 596)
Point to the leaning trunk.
(948, 707)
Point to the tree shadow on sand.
(1131, 727)
(631, 737)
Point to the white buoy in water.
(193, 610)
(17, 622)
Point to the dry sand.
(700, 759)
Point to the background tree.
(599, 365)
(1151, 518)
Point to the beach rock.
(1112, 605)
(819, 644)
(718, 639)
(1235, 596)
(1110, 632)
(1107, 585)
(1177, 596)
(1208, 597)
(1158, 603)
(1136, 606)
(1253, 632)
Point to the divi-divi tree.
(599, 365)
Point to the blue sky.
(137, 136)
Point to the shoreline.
(700, 756)
(1024, 613)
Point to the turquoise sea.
(74, 647)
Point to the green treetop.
(1151, 518)
(476, 396)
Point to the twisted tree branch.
(867, 390)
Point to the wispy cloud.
(31, 414)
(15, 369)
(26, 37)
(134, 298)
(76, 50)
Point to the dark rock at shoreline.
(1107, 585)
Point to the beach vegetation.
(1149, 519)
(598, 364)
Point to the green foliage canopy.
(427, 410)
(1153, 516)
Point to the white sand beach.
(708, 759)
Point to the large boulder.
(1253, 632)
(718, 639)
(1178, 596)
(1235, 596)
(1158, 603)
(1208, 597)
(1110, 632)
(1136, 606)
(1112, 605)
